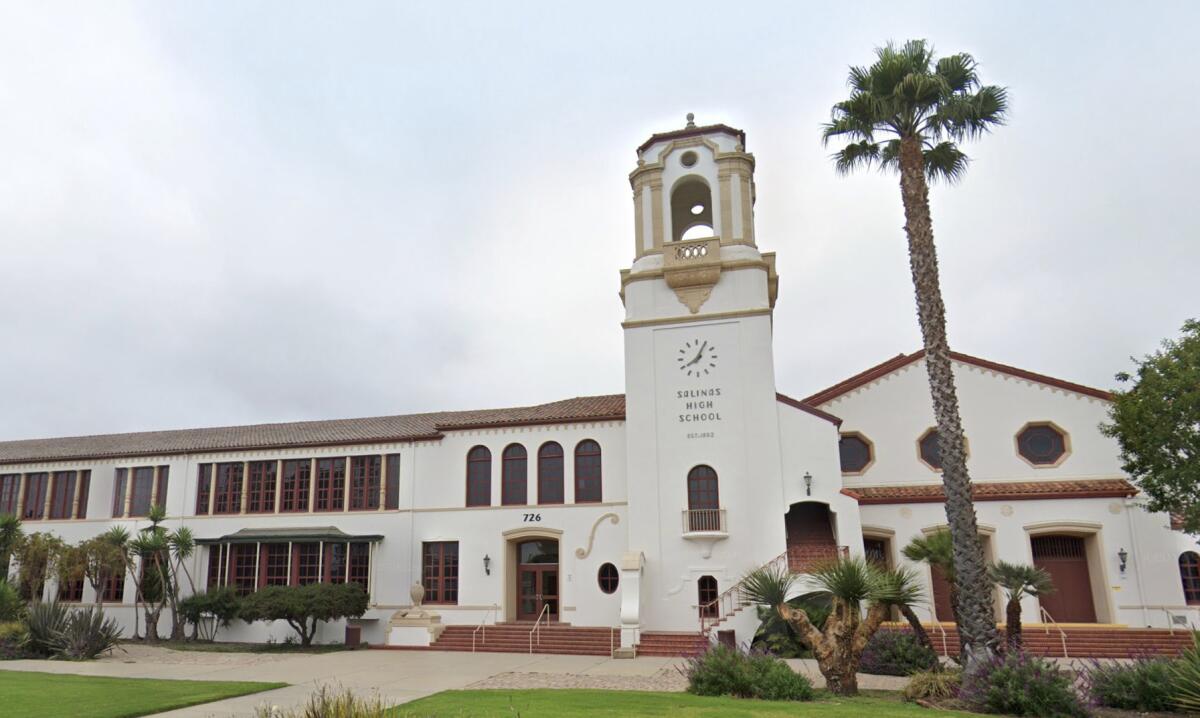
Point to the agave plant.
(1186, 672)
(850, 584)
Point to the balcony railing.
(704, 521)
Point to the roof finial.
(691, 119)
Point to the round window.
(609, 578)
(688, 159)
(931, 451)
(1041, 444)
(855, 453)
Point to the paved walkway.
(397, 676)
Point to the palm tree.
(907, 112)
(937, 550)
(1018, 581)
(849, 584)
(10, 537)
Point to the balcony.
(704, 523)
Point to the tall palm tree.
(1018, 581)
(908, 111)
(10, 537)
(937, 550)
(849, 584)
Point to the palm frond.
(854, 156)
(889, 155)
(768, 586)
(851, 580)
(183, 542)
(1019, 580)
(969, 116)
(944, 161)
(898, 587)
(958, 71)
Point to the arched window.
(704, 504)
(707, 596)
(1189, 573)
(608, 577)
(587, 472)
(514, 486)
(479, 477)
(550, 473)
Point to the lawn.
(565, 703)
(45, 695)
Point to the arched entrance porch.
(811, 536)
(532, 572)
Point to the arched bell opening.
(691, 209)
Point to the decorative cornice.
(715, 316)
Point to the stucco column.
(631, 603)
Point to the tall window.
(35, 496)
(71, 591)
(587, 472)
(203, 488)
(391, 487)
(306, 563)
(216, 561)
(335, 563)
(360, 564)
(274, 562)
(550, 473)
(439, 571)
(514, 486)
(62, 495)
(704, 501)
(707, 596)
(120, 479)
(141, 490)
(331, 485)
(114, 588)
(1189, 572)
(479, 477)
(10, 488)
(227, 498)
(364, 482)
(82, 488)
(160, 486)
(260, 490)
(244, 569)
(297, 478)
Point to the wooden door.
(941, 595)
(1065, 559)
(537, 589)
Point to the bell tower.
(704, 465)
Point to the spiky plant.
(1018, 581)
(907, 112)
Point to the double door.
(537, 590)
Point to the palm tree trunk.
(1012, 628)
(915, 624)
(976, 617)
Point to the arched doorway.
(537, 579)
(1065, 559)
(810, 536)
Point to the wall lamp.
(487, 564)
(1123, 557)
(807, 484)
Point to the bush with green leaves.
(12, 607)
(933, 685)
(13, 639)
(304, 607)
(1143, 685)
(896, 653)
(725, 671)
(222, 605)
(87, 634)
(1018, 684)
(46, 622)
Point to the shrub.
(1185, 674)
(222, 604)
(724, 671)
(12, 608)
(86, 635)
(1022, 685)
(1144, 685)
(328, 703)
(13, 638)
(303, 607)
(933, 685)
(46, 621)
(895, 653)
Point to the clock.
(697, 358)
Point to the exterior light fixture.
(807, 484)
(487, 564)
(1123, 557)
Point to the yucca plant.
(87, 634)
(46, 622)
(328, 702)
(850, 584)
(1186, 674)
(1018, 581)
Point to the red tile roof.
(901, 360)
(692, 132)
(996, 491)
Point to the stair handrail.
(933, 621)
(537, 626)
(730, 601)
(483, 626)
(1061, 633)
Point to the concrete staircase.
(672, 644)
(514, 638)
(1080, 641)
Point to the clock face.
(697, 358)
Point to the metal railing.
(537, 626)
(729, 602)
(1049, 621)
(483, 626)
(696, 520)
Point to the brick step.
(1085, 642)
(668, 644)
(556, 638)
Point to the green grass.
(45, 695)
(591, 703)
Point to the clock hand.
(699, 354)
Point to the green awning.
(329, 534)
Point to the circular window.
(1041, 444)
(608, 578)
(687, 159)
(931, 452)
(697, 209)
(855, 452)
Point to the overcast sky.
(217, 213)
